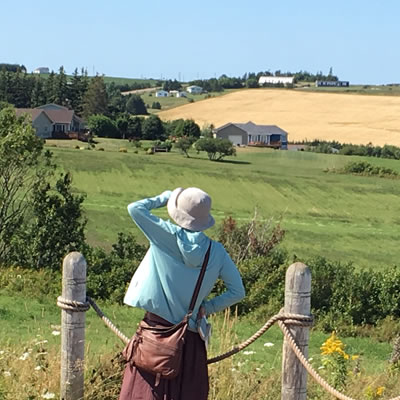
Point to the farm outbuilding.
(41, 70)
(274, 80)
(194, 89)
(250, 134)
(161, 93)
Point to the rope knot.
(295, 319)
(72, 305)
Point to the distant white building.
(41, 70)
(286, 80)
(181, 94)
(173, 93)
(161, 93)
(194, 89)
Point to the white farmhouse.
(194, 89)
(41, 70)
(161, 93)
(181, 94)
(286, 80)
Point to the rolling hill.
(347, 118)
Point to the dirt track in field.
(347, 118)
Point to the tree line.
(86, 96)
(348, 149)
(250, 79)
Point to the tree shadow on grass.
(220, 161)
(233, 162)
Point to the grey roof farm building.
(251, 134)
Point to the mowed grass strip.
(347, 118)
(343, 217)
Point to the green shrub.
(365, 168)
(30, 283)
(110, 273)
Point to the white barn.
(286, 80)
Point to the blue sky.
(203, 39)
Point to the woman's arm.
(234, 288)
(155, 228)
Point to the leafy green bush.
(340, 292)
(365, 168)
(31, 283)
(110, 273)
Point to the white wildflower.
(48, 395)
(7, 373)
(38, 368)
(43, 353)
(56, 333)
(321, 367)
(247, 353)
(258, 369)
(310, 359)
(268, 344)
(2, 352)
(24, 356)
(233, 369)
(19, 276)
(41, 342)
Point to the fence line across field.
(294, 320)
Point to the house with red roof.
(54, 121)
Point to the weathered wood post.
(297, 301)
(72, 327)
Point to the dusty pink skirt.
(190, 384)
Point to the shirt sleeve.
(234, 288)
(154, 228)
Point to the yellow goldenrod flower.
(380, 390)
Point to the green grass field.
(342, 217)
(383, 90)
(172, 102)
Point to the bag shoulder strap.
(199, 280)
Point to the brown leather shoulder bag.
(158, 349)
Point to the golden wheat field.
(347, 118)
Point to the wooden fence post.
(73, 328)
(297, 301)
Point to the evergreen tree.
(135, 105)
(74, 92)
(60, 87)
(95, 100)
(38, 96)
(49, 88)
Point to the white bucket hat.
(190, 209)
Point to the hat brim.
(184, 219)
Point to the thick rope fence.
(286, 321)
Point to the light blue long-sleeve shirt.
(164, 281)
